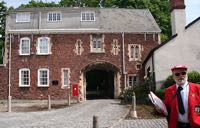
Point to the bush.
(168, 82)
(160, 93)
(193, 77)
(140, 91)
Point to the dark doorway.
(100, 84)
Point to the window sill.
(24, 54)
(22, 86)
(97, 52)
(65, 87)
(43, 86)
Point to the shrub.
(160, 93)
(168, 82)
(140, 91)
(194, 77)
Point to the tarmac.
(111, 114)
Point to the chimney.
(178, 18)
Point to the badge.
(197, 109)
(193, 94)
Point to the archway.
(101, 80)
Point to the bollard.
(95, 122)
(133, 111)
(9, 103)
(49, 102)
(69, 100)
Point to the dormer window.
(54, 16)
(87, 16)
(23, 17)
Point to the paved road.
(110, 112)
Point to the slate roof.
(108, 19)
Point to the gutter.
(123, 62)
(9, 75)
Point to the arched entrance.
(101, 80)
(100, 84)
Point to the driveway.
(111, 115)
(80, 115)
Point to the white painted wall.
(183, 49)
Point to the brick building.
(100, 49)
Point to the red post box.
(75, 90)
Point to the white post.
(69, 100)
(49, 102)
(133, 111)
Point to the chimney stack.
(178, 17)
(177, 4)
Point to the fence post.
(95, 122)
(49, 102)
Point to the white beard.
(181, 82)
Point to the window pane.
(44, 45)
(43, 77)
(25, 46)
(23, 17)
(50, 17)
(58, 17)
(136, 52)
(132, 52)
(65, 77)
(24, 77)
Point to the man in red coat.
(182, 101)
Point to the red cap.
(179, 66)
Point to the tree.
(3, 10)
(34, 3)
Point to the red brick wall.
(3, 82)
(63, 56)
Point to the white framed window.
(23, 17)
(24, 77)
(43, 47)
(43, 77)
(65, 77)
(25, 46)
(54, 16)
(134, 52)
(133, 79)
(87, 16)
(97, 43)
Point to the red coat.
(172, 105)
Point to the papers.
(158, 103)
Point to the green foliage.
(168, 82)
(3, 10)
(194, 77)
(160, 93)
(140, 91)
(34, 3)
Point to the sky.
(192, 7)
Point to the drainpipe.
(9, 76)
(123, 61)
